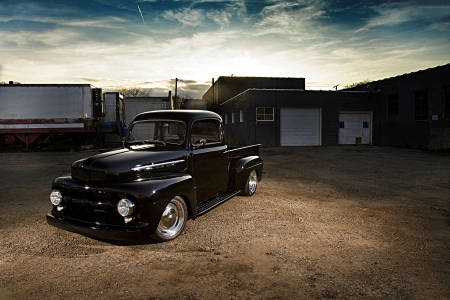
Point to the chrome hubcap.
(252, 182)
(172, 219)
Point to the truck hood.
(126, 163)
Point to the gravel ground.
(325, 223)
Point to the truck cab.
(173, 166)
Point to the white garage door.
(300, 126)
(354, 128)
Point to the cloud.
(223, 17)
(186, 16)
(90, 79)
(186, 81)
(392, 14)
(196, 90)
(395, 13)
(289, 18)
(442, 24)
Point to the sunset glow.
(148, 43)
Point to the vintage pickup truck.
(173, 166)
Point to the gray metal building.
(410, 110)
(274, 117)
(227, 87)
(414, 108)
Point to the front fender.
(154, 194)
(150, 194)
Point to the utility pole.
(176, 81)
(176, 92)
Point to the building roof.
(291, 90)
(412, 73)
(162, 98)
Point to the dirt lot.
(325, 223)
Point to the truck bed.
(237, 151)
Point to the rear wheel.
(252, 183)
(173, 220)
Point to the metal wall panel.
(45, 102)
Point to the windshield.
(158, 132)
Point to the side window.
(209, 130)
(392, 107)
(421, 105)
(447, 103)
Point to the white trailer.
(32, 111)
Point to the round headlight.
(56, 197)
(125, 207)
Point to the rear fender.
(240, 170)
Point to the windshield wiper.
(147, 142)
(153, 142)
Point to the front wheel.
(173, 220)
(252, 183)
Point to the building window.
(421, 105)
(264, 114)
(226, 119)
(392, 107)
(447, 103)
(232, 117)
(241, 116)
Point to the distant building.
(227, 87)
(411, 110)
(414, 108)
(300, 118)
(136, 105)
(195, 104)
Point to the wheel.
(252, 183)
(173, 220)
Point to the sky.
(149, 43)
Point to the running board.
(211, 203)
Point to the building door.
(355, 128)
(300, 126)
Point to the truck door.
(210, 162)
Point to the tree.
(355, 84)
(134, 91)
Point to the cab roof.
(186, 116)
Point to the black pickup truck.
(173, 166)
